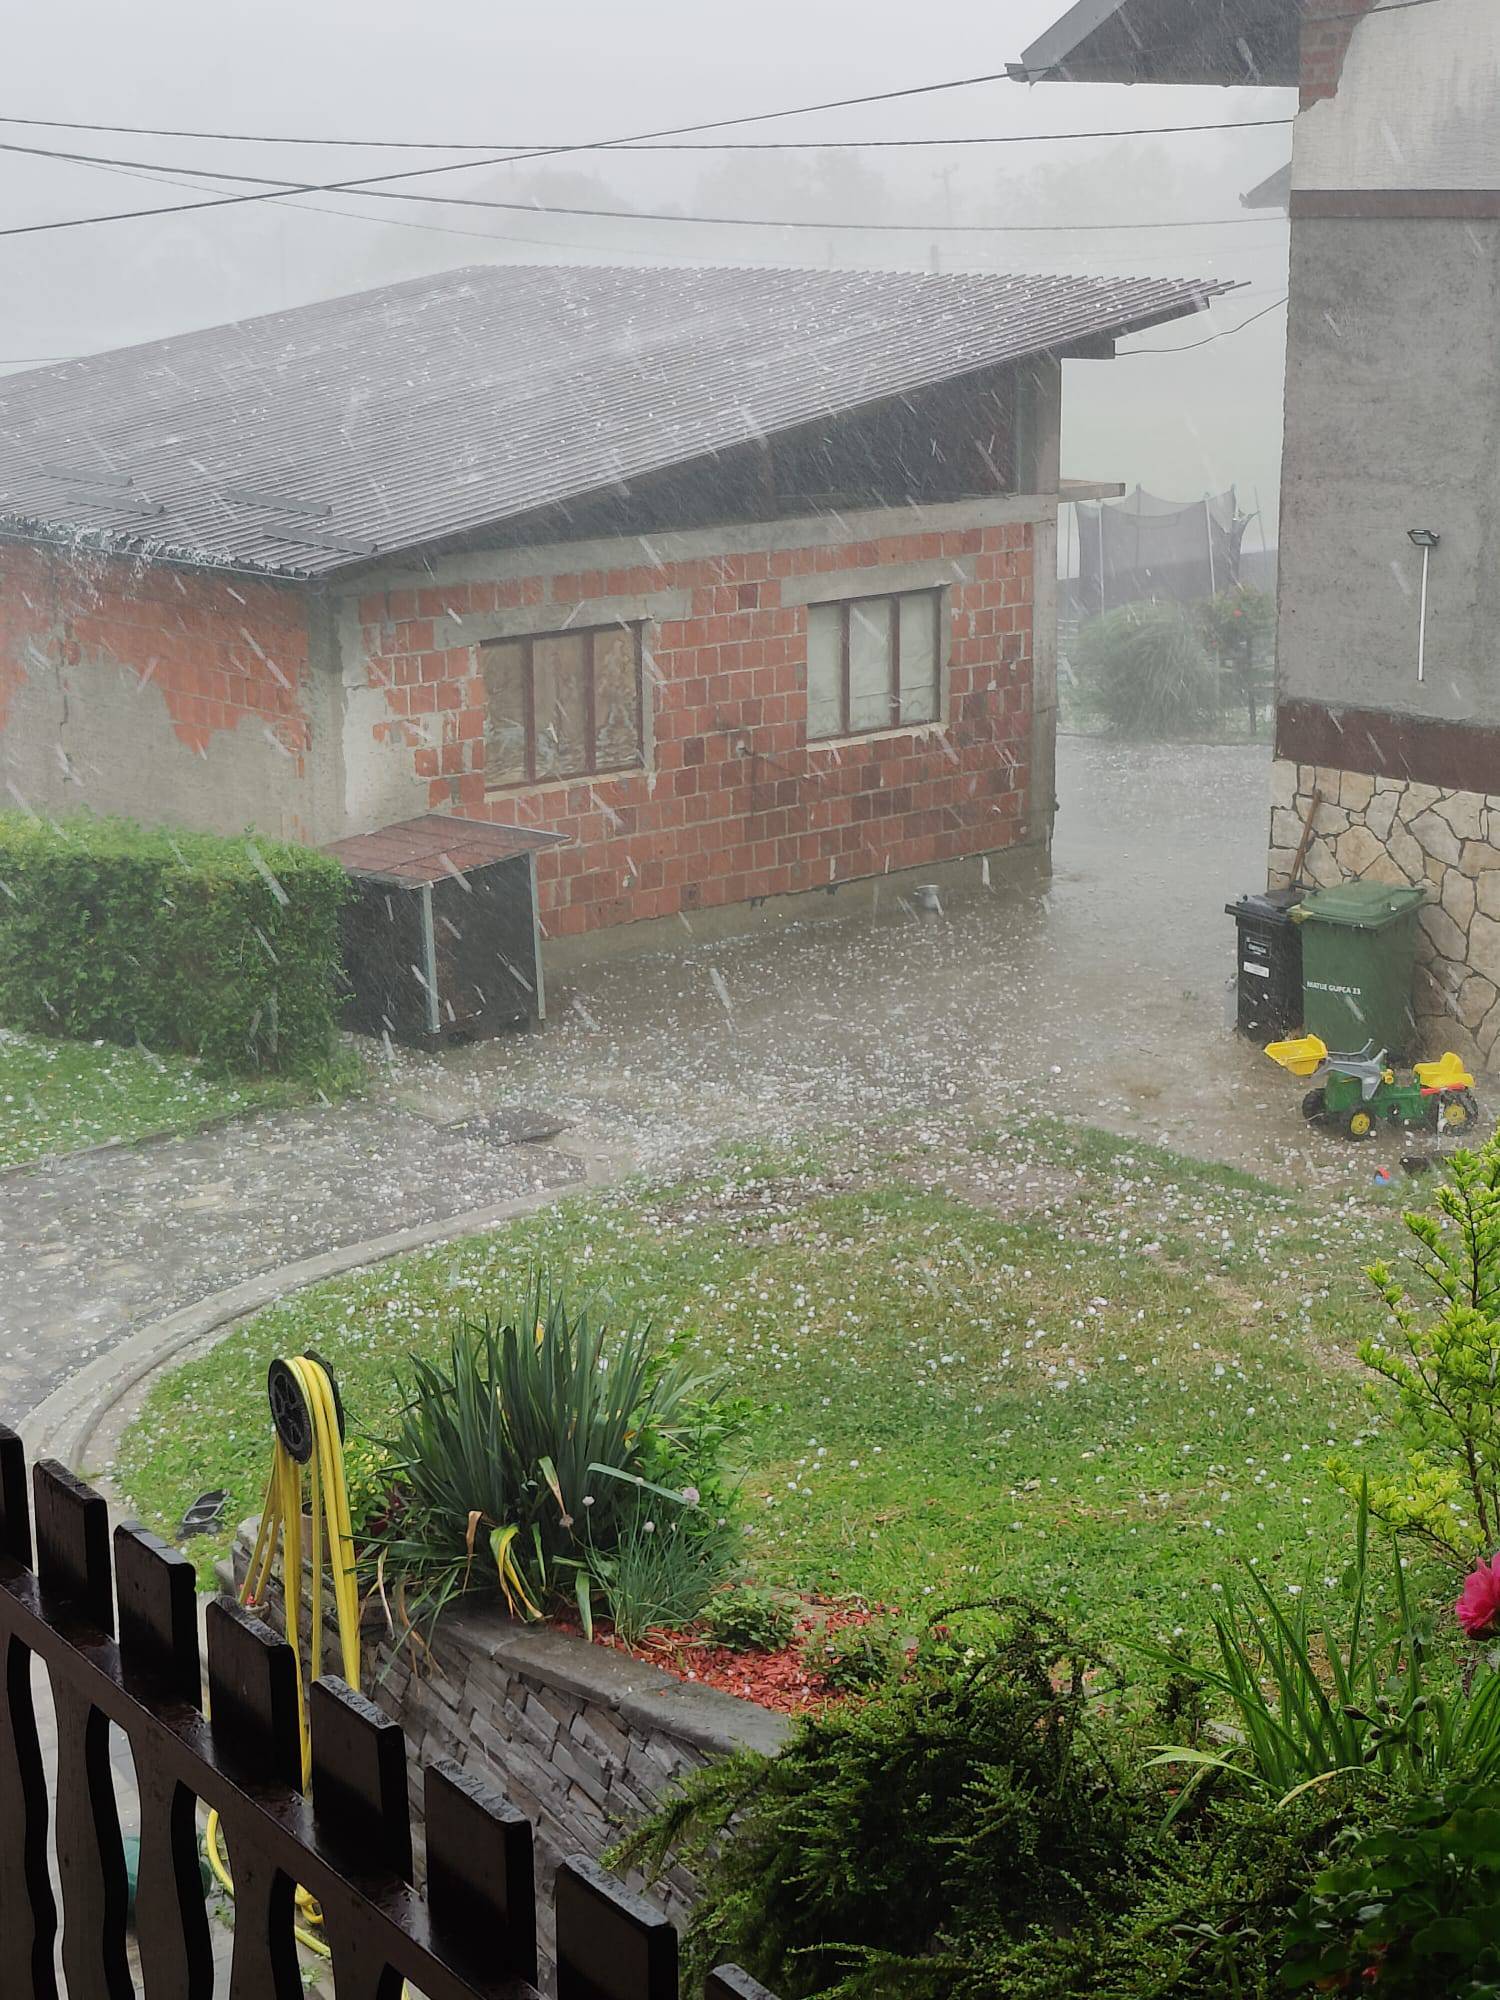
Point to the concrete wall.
(733, 802)
(1404, 98)
(1392, 422)
(161, 694)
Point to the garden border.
(65, 1424)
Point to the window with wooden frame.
(874, 663)
(563, 705)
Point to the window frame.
(893, 599)
(527, 642)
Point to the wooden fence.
(471, 1936)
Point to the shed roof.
(1168, 41)
(435, 846)
(308, 442)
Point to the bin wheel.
(1361, 1123)
(1314, 1105)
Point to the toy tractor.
(1357, 1093)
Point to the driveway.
(1100, 996)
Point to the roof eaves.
(41, 532)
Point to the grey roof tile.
(445, 405)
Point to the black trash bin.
(1268, 965)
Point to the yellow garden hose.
(308, 1420)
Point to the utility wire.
(372, 182)
(1223, 335)
(525, 148)
(269, 189)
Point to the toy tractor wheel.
(1457, 1111)
(1315, 1105)
(1360, 1122)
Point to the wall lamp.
(1425, 539)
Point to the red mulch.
(781, 1680)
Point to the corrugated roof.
(1168, 41)
(436, 845)
(306, 442)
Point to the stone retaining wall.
(1385, 829)
(582, 1739)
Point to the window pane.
(557, 670)
(825, 670)
(617, 699)
(870, 664)
(505, 720)
(919, 658)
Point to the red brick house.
(744, 580)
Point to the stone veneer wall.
(582, 1739)
(1385, 829)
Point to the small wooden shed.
(441, 940)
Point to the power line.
(1223, 334)
(269, 189)
(531, 148)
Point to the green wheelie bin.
(1359, 957)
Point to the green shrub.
(1413, 1911)
(854, 1659)
(1438, 1371)
(1144, 671)
(521, 1457)
(226, 949)
(981, 1826)
(971, 1790)
(749, 1619)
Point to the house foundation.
(1392, 829)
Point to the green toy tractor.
(1359, 1092)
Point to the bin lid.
(1362, 906)
(1271, 905)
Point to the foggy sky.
(579, 69)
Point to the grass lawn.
(58, 1096)
(1096, 1376)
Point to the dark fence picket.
(158, 1606)
(611, 1945)
(481, 1872)
(252, 1697)
(361, 1809)
(28, 1913)
(471, 1937)
(73, 1570)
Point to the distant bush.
(227, 949)
(1145, 671)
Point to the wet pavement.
(1099, 995)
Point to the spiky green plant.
(518, 1456)
(1311, 1703)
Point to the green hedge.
(225, 948)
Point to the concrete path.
(1100, 997)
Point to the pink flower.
(1478, 1606)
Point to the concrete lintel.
(525, 621)
(1073, 490)
(829, 586)
(812, 531)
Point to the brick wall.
(736, 804)
(1327, 29)
(117, 678)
